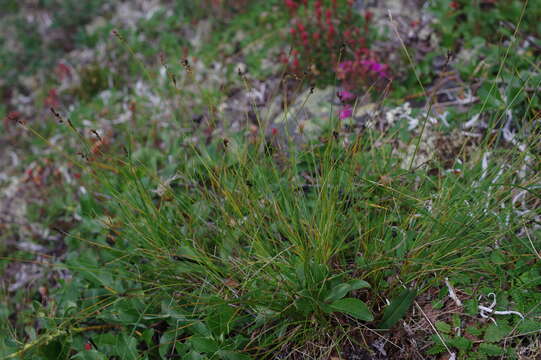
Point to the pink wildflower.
(346, 112)
(345, 95)
(376, 67)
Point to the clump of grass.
(241, 249)
(225, 252)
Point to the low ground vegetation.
(284, 180)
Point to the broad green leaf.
(194, 355)
(89, 355)
(304, 305)
(357, 284)
(220, 321)
(342, 289)
(147, 336)
(233, 355)
(353, 307)
(397, 309)
(338, 292)
(54, 350)
(166, 342)
(204, 345)
(127, 347)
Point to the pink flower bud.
(345, 95)
(346, 112)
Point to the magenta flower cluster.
(374, 67)
(347, 110)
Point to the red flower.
(52, 99)
(291, 5)
(62, 70)
(331, 31)
(13, 115)
(88, 346)
(296, 62)
(454, 5)
(368, 16)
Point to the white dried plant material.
(165, 185)
(164, 78)
(63, 169)
(105, 96)
(398, 113)
(466, 98)
(202, 33)
(241, 68)
(470, 134)
(484, 168)
(129, 13)
(472, 122)
(144, 91)
(452, 293)
(379, 345)
(412, 123)
(258, 93)
(486, 311)
(441, 118)
(125, 116)
(27, 273)
(30, 247)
